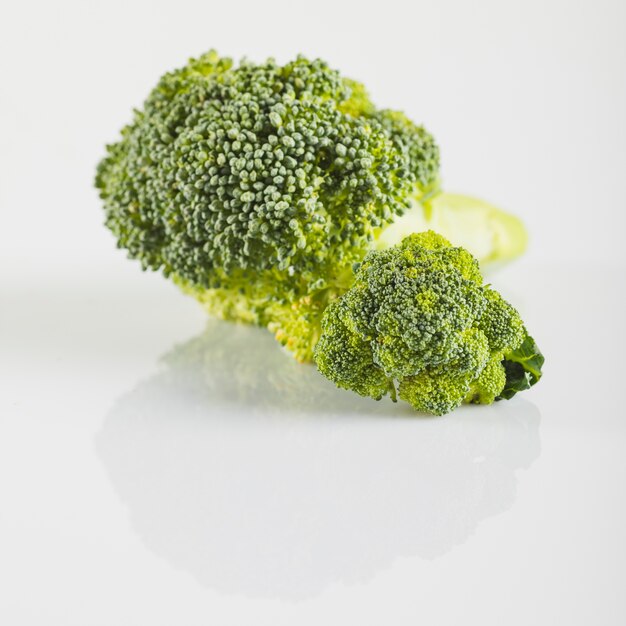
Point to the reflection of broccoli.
(252, 458)
(419, 317)
(243, 365)
(256, 187)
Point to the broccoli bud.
(419, 320)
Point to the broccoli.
(256, 187)
(418, 323)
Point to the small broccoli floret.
(348, 355)
(418, 318)
(490, 382)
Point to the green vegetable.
(257, 187)
(419, 323)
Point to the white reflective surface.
(252, 473)
(158, 468)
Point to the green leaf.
(522, 367)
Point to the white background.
(228, 485)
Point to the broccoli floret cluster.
(419, 323)
(260, 179)
(257, 188)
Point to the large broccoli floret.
(419, 323)
(269, 173)
(256, 188)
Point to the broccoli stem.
(492, 235)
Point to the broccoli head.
(262, 180)
(419, 323)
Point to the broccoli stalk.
(488, 233)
